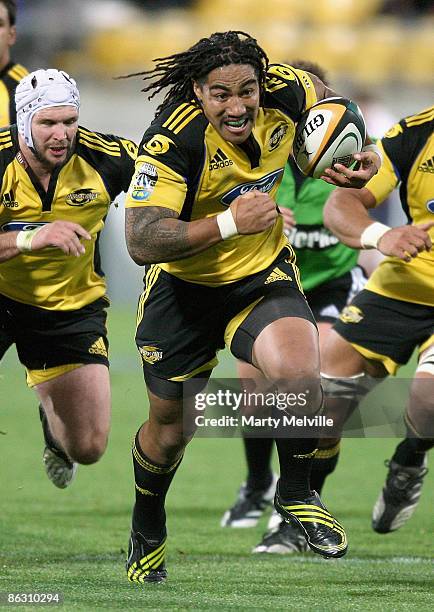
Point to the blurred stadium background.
(380, 52)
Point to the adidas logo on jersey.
(427, 166)
(220, 160)
(8, 200)
(98, 348)
(277, 275)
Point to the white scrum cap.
(43, 89)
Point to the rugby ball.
(329, 133)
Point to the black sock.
(411, 451)
(295, 459)
(152, 482)
(258, 457)
(323, 464)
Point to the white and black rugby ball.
(329, 133)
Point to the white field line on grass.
(364, 560)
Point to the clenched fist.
(254, 212)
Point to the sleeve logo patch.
(143, 182)
(158, 145)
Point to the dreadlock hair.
(178, 71)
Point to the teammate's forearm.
(169, 239)
(346, 216)
(8, 246)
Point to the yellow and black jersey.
(408, 151)
(81, 191)
(10, 76)
(185, 165)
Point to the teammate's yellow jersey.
(408, 150)
(81, 191)
(185, 165)
(10, 76)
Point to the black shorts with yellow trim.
(181, 325)
(384, 329)
(52, 342)
(327, 300)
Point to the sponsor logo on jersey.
(18, 226)
(144, 182)
(80, 197)
(277, 136)
(427, 166)
(158, 145)
(98, 348)
(351, 314)
(277, 275)
(430, 205)
(220, 160)
(318, 238)
(264, 184)
(150, 354)
(8, 200)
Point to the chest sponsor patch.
(18, 226)
(80, 197)
(264, 184)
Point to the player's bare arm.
(346, 215)
(64, 235)
(155, 234)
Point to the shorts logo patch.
(351, 314)
(277, 275)
(98, 348)
(150, 354)
(144, 182)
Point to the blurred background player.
(10, 72)
(58, 181)
(217, 228)
(394, 314)
(330, 278)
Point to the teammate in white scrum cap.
(58, 180)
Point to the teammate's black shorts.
(182, 325)
(49, 338)
(385, 329)
(327, 300)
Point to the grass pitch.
(74, 541)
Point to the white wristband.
(375, 149)
(226, 223)
(372, 234)
(24, 239)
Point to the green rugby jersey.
(320, 255)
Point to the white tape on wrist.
(226, 223)
(375, 149)
(25, 238)
(372, 234)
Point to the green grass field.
(74, 541)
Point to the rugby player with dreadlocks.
(202, 218)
